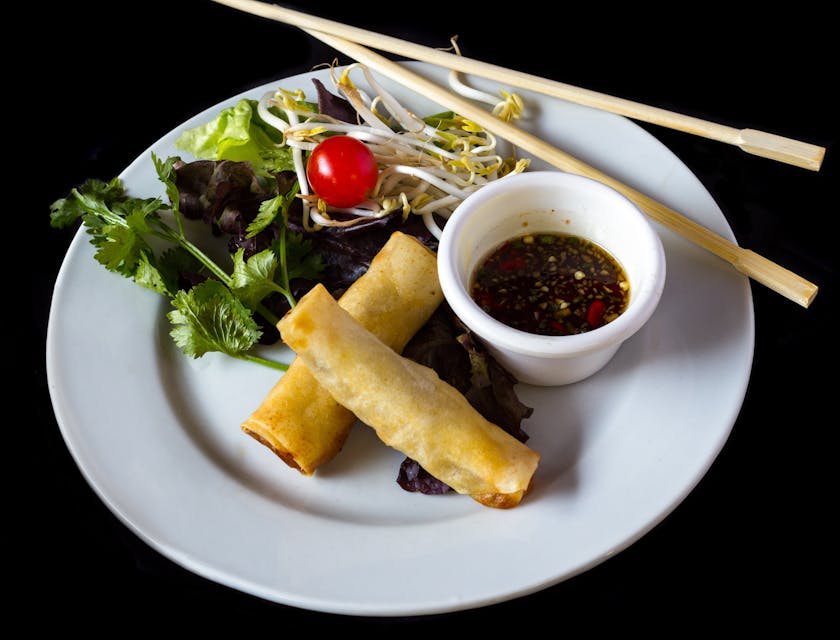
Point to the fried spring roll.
(298, 419)
(407, 404)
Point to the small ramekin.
(551, 201)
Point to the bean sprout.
(509, 108)
(427, 165)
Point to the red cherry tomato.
(342, 171)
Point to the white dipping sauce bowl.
(551, 201)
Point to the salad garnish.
(427, 165)
(213, 309)
(249, 184)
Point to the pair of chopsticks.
(351, 40)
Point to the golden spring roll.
(407, 404)
(397, 295)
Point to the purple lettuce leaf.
(448, 347)
(333, 105)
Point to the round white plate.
(157, 436)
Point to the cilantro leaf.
(302, 261)
(116, 223)
(253, 279)
(164, 274)
(209, 318)
(267, 214)
(65, 211)
(166, 174)
(148, 275)
(121, 245)
(120, 249)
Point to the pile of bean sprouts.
(427, 167)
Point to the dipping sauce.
(551, 284)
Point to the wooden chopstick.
(748, 262)
(759, 143)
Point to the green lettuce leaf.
(238, 133)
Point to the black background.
(94, 84)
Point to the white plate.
(157, 435)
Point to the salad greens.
(249, 187)
(214, 310)
(239, 133)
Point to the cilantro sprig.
(216, 314)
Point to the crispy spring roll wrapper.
(407, 404)
(298, 419)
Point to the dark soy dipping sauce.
(552, 284)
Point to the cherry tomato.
(342, 171)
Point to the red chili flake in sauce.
(551, 284)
